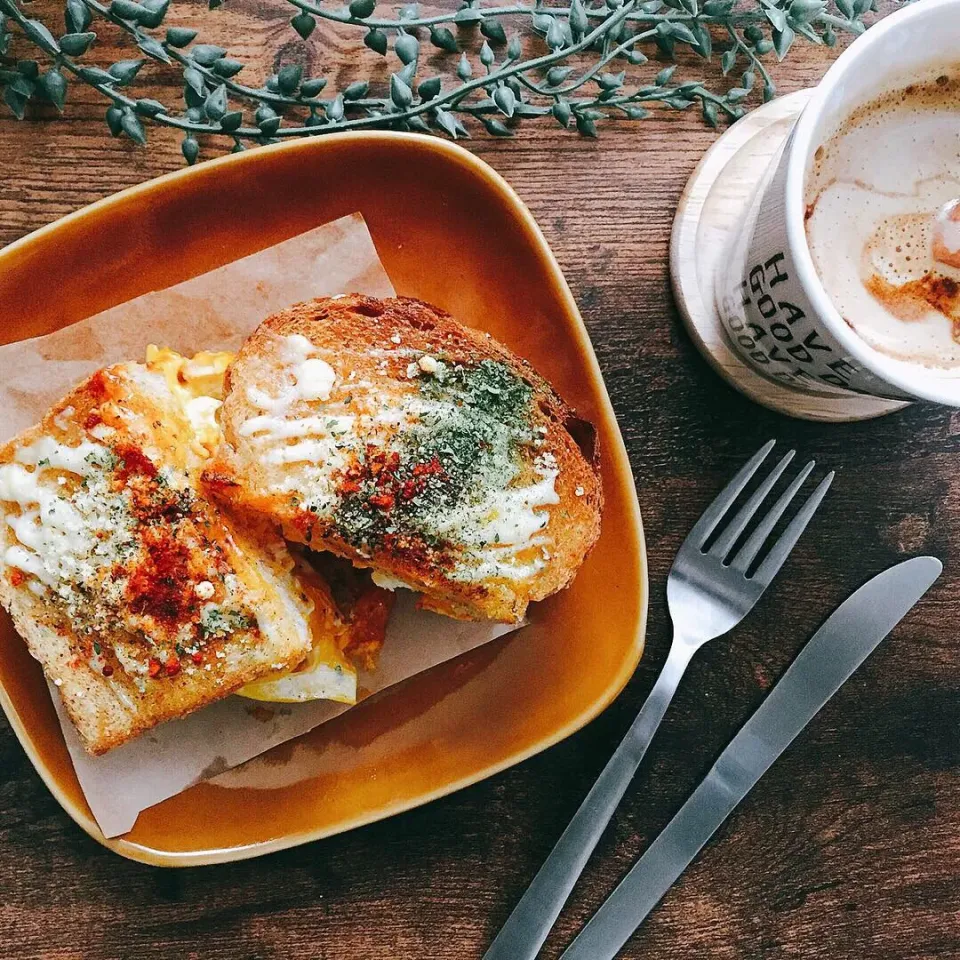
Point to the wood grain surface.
(847, 850)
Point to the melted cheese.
(196, 383)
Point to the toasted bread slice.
(142, 599)
(388, 433)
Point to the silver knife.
(830, 658)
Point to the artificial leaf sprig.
(568, 62)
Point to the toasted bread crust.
(133, 638)
(349, 469)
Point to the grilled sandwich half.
(388, 433)
(143, 599)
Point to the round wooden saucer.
(712, 205)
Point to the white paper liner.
(216, 311)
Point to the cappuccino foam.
(883, 222)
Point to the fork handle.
(522, 936)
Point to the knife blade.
(828, 660)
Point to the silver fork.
(709, 591)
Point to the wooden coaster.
(712, 205)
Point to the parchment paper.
(215, 311)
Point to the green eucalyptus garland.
(567, 61)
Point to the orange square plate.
(449, 230)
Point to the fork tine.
(748, 552)
(781, 549)
(715, 512)
(738, 524)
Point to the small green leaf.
(304, 24)
(288, 78)
(555, 36)
(311, 88)
(610, 81)
(579, 23)
(514, 48)
(487, 56)
(40, 35)
(753, 33)
(777, 18)
(206, 54)
(496, 127)
(585, 126)
(400, 93)
(860, 7)
(361, 9)
(764, 46)
(128, 10)
(407, 48)
(180, 37)
(377, 41)
(190, 149)
(561, 112)
(782, 41)
(194, 79)
(77, 16)
(681, 32)
(728, 60)
(663, 77)
(267, 119)
(194, 114)
(430, 88)
(215, 106)
(153, 48)
(710, 113)
(505, 100)
(829, 37)
(464, 69)
(335, 109)
(704, 40)
(448, 123)
(133, 128)
(556, 75)
(114, 116)
(747, 79)
(466, 15)
(17, 102)
(18, 83)
(54, 85)
(124, 71)
(636, 113)
(149, 108)
(845, 7)
(408, 74)
(231, 121)
(719, 8)
(76, 44)
(238, 147)
(493, 30)
(769, 91)
(356, 90)
(156, 11)
(28, 68)
(444, 39)
(805, 11)
(96, 76)
(736, 94)
(227, 68)
(418, 124)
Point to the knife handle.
(527, 927)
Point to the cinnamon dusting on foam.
(883, 221)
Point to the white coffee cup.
(773, 307)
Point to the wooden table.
(847, 850)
